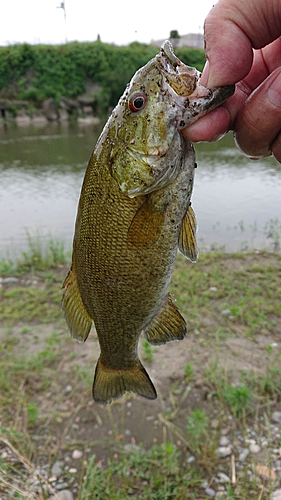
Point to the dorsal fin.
(187, 239)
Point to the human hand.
(243, 45)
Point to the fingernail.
(205, 74)
(274, 91)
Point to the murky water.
(237, 201)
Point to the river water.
(237, 201)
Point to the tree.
(174, 34)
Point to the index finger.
(232, 30)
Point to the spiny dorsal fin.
(187, 239)
(167, 325)
(145, 226)
(78, 320)
(112, 383)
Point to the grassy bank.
(218, 390)
(101, 70)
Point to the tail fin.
(111, 383)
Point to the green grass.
(147, 351)
(155, 474)
(40, 255)
(38, 361)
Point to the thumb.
(232, 30)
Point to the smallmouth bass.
(134, 214)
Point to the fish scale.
(134, 214)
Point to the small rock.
(68, 389)
(77, 454)
(255, 448)
(215, 423)
(10, 280)
(61, 486)
(62, 495)
(72, 470)
(223, 478)
(213, 289)
(224, 441)
(265, 472)
(129, 448)
(226, 312)
(276, 417)
(243, 454)
(276, 495)
(210, 492)
(56, 470)
(223, 451)
(190, 459)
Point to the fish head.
(182, 83)
(163, 97)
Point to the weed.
(155, 474)
(32, 414)
(42, 254)
(239, 399)
(188, 372)
(148, 353)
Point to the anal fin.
(187, 239)
(78, 320)
(167, 325)
(111, 383)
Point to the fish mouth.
(182, 78)
(192, 98)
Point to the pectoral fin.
(167, 325)
(78, 320)
(145, 226)
(187, 239)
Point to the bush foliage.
(37, 72)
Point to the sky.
(119, 21)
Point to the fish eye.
(137, 102)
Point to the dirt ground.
(68, 419)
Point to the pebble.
(223, 478)
(61, 486)
(77, 454)
(223, 451)
(215, 423)
(225, 312)
(243, 454)
(276, 495)
(224, 441)
(68, 389)
(129, 448)
(265, 472)
(210, 492)
(276, 417)
(56, 470)
(255, 448)
(190, 459)
(9, 280)
(62, 495)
